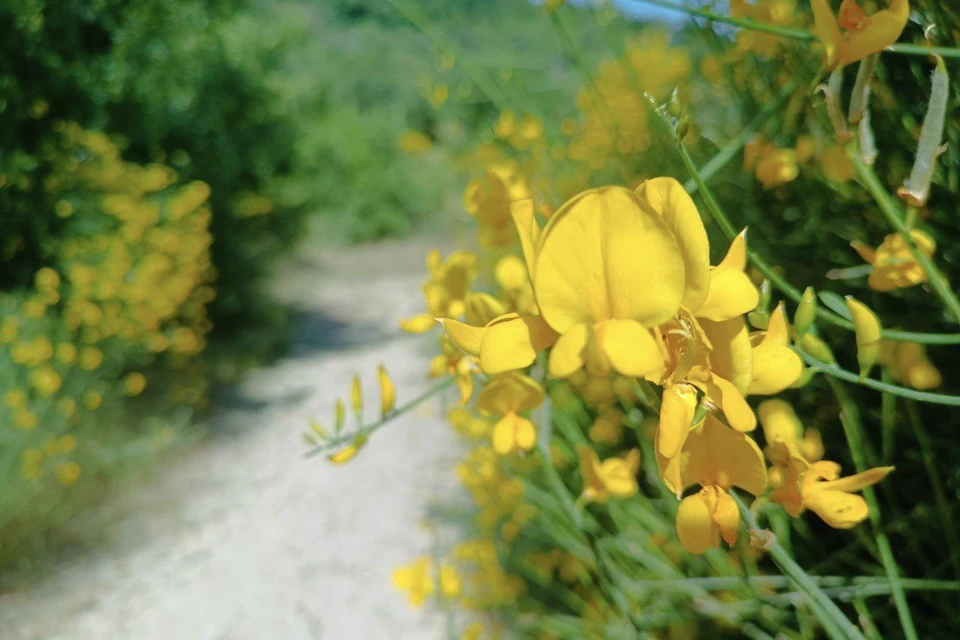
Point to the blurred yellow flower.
(507, 395)
(488, 200)
(612, 478)
(134, 383)
(446, 291)
(414, 143)
(68, 473)
(388, 392)
(908, 363)
(416, 580)
(894, 266)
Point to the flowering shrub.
(667, 433)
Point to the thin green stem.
(834, 620)
(853, 430)
(891, 211)
(778, 281)
(848, 376)
(366, 430)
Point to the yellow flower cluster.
(127, 281)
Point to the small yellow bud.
(817, 348)
(349, 452)
(806, 312)
(388, 393)
(868, 330)
(356, 396)
(340, 414)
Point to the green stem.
(894, 217)
(779, 282)
(834, 620)
(339, 441)
(848, 376)
(853, 429)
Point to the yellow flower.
(66, 353)
(92, 400)
(134, 383)
(832, 498)
(47, 279)
(908, 363)
(862, 35)
(454, 362)
(450, 584)
(506, 396)
(446, 291)
(414, 143)
(90, 358)
(68, 473)
(836, 164)
(612, 478)
(488, 200)
(717, 458)
(388, 392)
(894, 266)
(771, 165)
(45, 380)
(416, 580)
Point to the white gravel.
(242, 538)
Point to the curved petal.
(668, 198)
(467, 338)
(727, 517)
(482, 308)
(513, 342)
(677, 409)
(774, 369)
(731, 356)
(528, 230)
(695, 526)
(827, 29)
(877, 32)
(630, 347)
(838, 509)
(590, 266)
(731, 294)
(567, 357)
(510, 393)
(719, 455)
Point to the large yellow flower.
(862, 35)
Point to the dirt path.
(242, 538)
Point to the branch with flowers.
(612, 371)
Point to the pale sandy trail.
(240, 537)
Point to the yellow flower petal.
(418, 324)
(732, 354)
(727, 517)
(482, 308)
(838, 509)
(858, 481)
(356, 395)
(677, 409)
(466, 337)
(780, 422)
(875, 33)
(716, 454)
(775, 365)
(528, 230)
(349, 452)
(567, 357)
(731, 292)
(827, 29)
(618, 478)
(668, 198)
(509, 393)
(589, 267)
(513, 342)
(695, 526)
(630, 347)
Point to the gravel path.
(242, 538)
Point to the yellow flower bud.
(356, 396)
(340, 413)
(388, 393)
(806, 312)
(868, 330)
(817, 348)
(349, 452)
